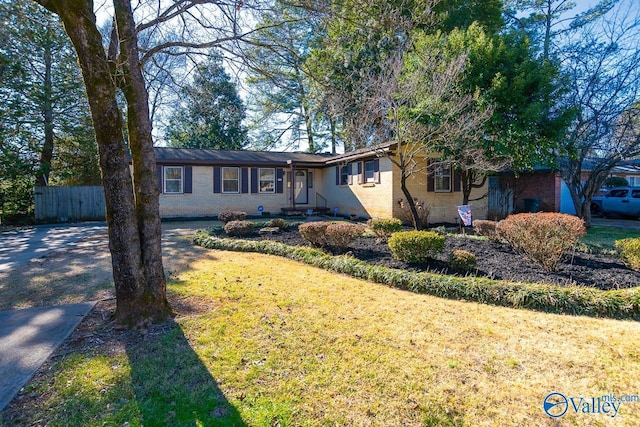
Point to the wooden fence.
(65, 204)
(500, 198)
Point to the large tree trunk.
(144, 171)
(134, 253)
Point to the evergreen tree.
(44, 104)
(211, 112)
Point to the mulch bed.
(495, 260)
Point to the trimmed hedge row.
(624, 303)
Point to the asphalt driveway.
(29, 336)
(22, 245)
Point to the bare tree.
(425, 114)
(132, 204)
(603, 63)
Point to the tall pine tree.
(211, 112)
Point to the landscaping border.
(574, 300)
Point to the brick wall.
(443, 205)
(367, 200)
(381, 200)
(202, 202)
(544, 185)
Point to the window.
(635, 194)
(634, 181)
(344, 174)
(442, 178)
(230, 180)
(267, 182)
(173, 179)
(620, 192)
(370, 171)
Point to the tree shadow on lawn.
(59, 277)
(172, 386)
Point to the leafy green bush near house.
(416, 246)
(462, 261)
(629, 251)
(384, 228)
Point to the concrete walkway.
(27, 339)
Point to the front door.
(301, 193)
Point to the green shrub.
(629, 251)
(462, 261)
(384, 228)
(416, 246)
(441, 230)
(315, 233)
(232, 216)
(342, 234)
(486, 228)
(615, 181)
(277, 222)
(238, 228)
(542, 236)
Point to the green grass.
(270, 341)
(623, 303)
(601, 239)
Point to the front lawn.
(602, 238)
(264, 341)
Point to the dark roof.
(192, 156)
(360, 153)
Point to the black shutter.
(376, 170)
(244, 180)
(159, 170)
(254, 180)
(431, 182)
(457, 185)
(279, 181)
(359, 172)
(217, 180)
(309, 179)
(188, 179)
(338, 175)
